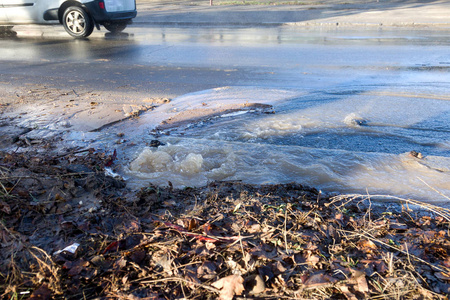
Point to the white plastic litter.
(72, 249)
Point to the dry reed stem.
(440, 193)
(53, 270)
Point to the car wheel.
(115, 27)
(77, 22)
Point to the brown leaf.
(367, 245)
(193, 224)
(4, 207)
(447, 262)
(381, 266)
(378, 264)
(361, 284)
(207, 270)
(133, 226)
(398, 226)
(190, 274)
(442, 275)
(279, 267)
(138, 256)
(254, 284)
(319, 280)
(254, 228)
(120, 264)
(313, 260)
(229, 286)
(75, 270)
(340, 219)
(163, 260)
(43, 292)
(344, 290)
(264, 251)
(359, 280)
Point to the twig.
(284, 231)
(243, 252)
(56, 284)
(407, 253)
(175, 279)
(74, 152)
(433, 188)
(9, 231)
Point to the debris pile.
(68, 231)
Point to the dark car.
(79, 17)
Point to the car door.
(20, 11)
(2, 13)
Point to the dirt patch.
(39, 106)
(70, 231)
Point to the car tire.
(115, 27)
(77, 22)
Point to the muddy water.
(347, 141)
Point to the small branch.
(175, 279)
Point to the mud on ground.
(70, 231)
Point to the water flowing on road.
(358, 141)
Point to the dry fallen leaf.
(446, 262)
(442, 276)
(349, 295)
(229, 286)
(42, 293)
(4, 207)
(361, 284)
(313, 260)
(367, 245)
(359, 280)
(319, 280)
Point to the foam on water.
(192, 162)
(329, 112)
(184, 164)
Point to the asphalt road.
(178, 47)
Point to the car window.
(119, 5)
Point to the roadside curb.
(372, 25)
(381, 15)
(408, 25)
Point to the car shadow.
(118, 35)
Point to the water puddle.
(347, 142)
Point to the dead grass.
(227, 240)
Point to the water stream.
(353, 141)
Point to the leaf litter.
(69, 230)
